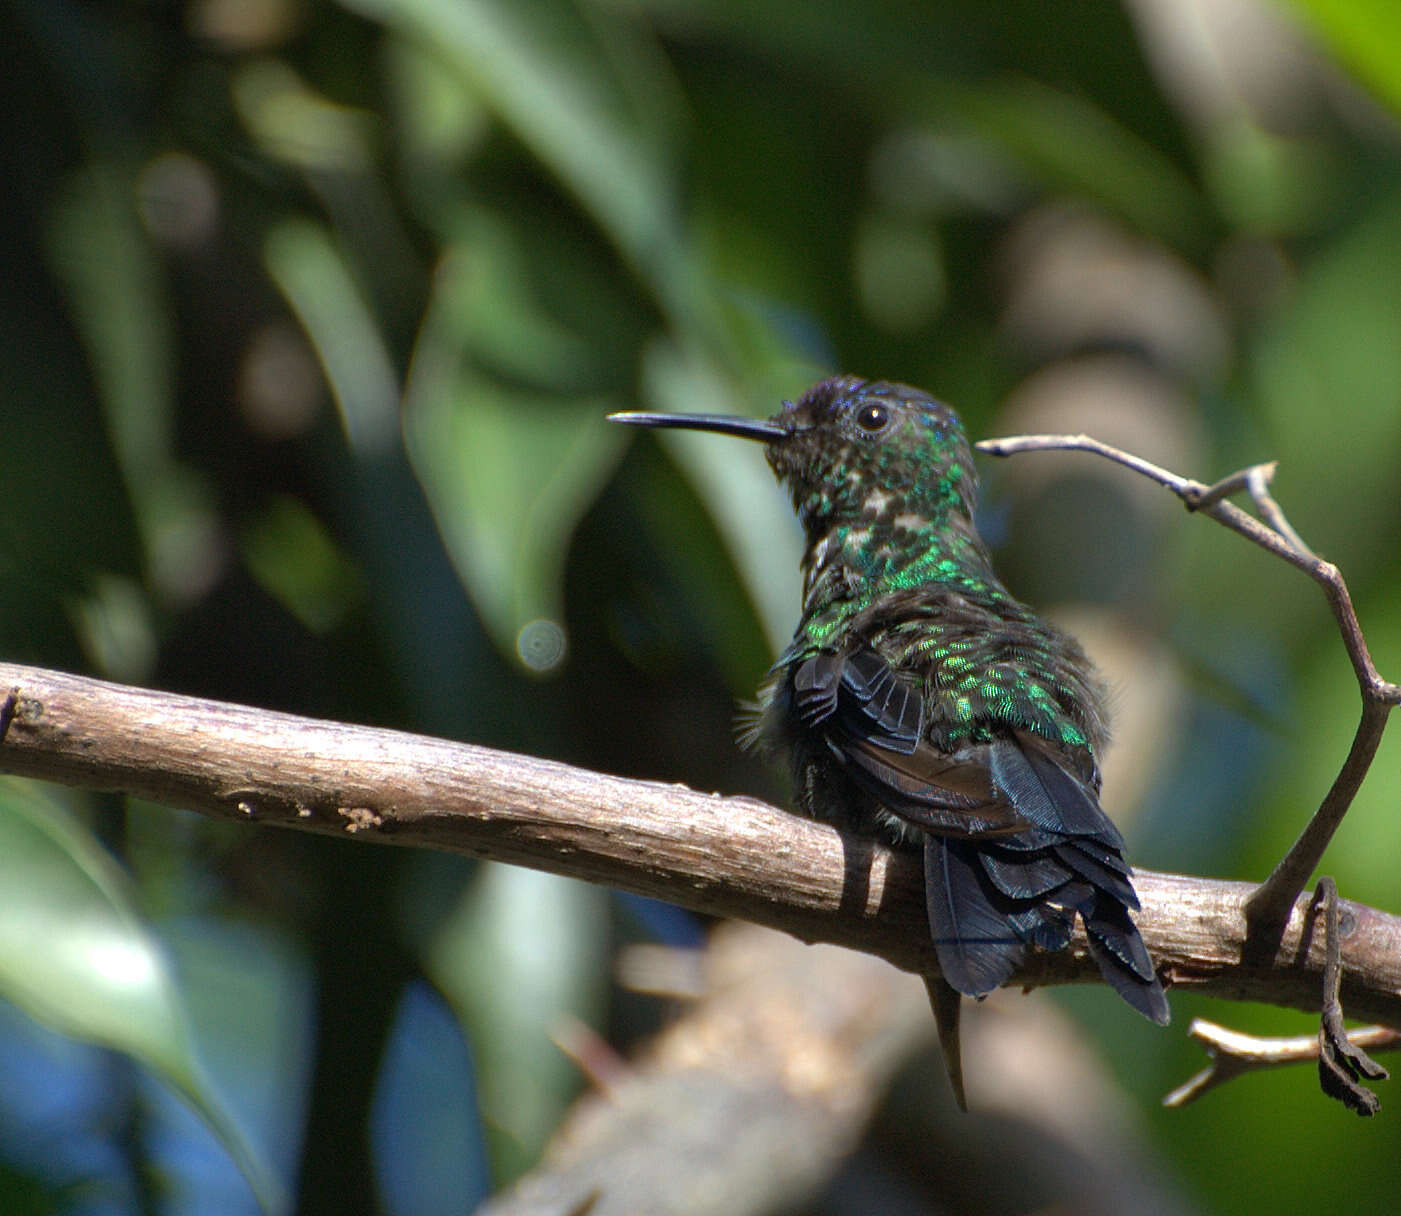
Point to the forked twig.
(1258, 478)
(1269, 907)
(1233, 1054)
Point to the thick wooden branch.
(752, 1099)
(733, 857)
(792, 1046)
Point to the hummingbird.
(920, 702)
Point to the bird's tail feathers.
(987, 905)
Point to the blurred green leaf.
(113, 624)
(306, 263)
(507, 473)
(484, 306)
(295, 559)
(75, 955)
(117, 298)
(1326, 375)
(294, 123)
(1267, 183)
(114, 288)
(522, 953)
(733, 479)
(439, 118)
(588, 98)
(899, 272)
(1069, 144)
(1364, 34)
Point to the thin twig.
(1342, 1064)
(594, 1056)
(1232, 483)
(1270, 905)
(1233, 1054)
(1258, 478)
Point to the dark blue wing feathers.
(879, 707)
(1009, 863)
(977, 947)
(1047, 795)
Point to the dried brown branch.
(755, 1093)
(744, 1105)
(1342, 1064)
(1272, 901)
(733, 857)
(1234, 1054)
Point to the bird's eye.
(872, 418)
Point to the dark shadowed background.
(310, 315)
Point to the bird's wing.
(1016, 843)
(1037, 783)
(873, 721)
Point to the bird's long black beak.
(724, 424)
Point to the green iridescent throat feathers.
(920, 701)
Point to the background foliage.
(310, 317)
